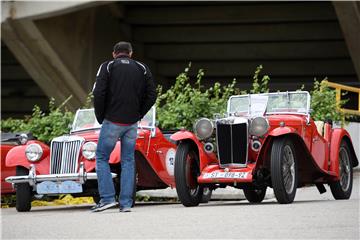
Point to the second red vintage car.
(67, 166)
(266, 140)
(9, 141)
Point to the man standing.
(124, 92)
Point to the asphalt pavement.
(311, 216)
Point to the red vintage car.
(67, 166)
(8, 141)
(265, 140)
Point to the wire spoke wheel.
(187, 171)
(342, 188)
(344, 169)
(284, 169)
(288, 169)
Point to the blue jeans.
(109, 135)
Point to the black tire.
(23, 192)
(342, 189)
(284, 174)
(186, 172)
(255, 195)
(206, 197)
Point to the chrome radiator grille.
(232, 143)
(64, 154)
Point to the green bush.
(323, 103)
(260, 86)
(182, 104)
(43, 126)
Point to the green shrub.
(182, 104)
(43, 126)
(323, 103)
(260, 86)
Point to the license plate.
(225, 175)
(48, 187)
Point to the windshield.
(85, 119)
(269, 103)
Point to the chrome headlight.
(23, 138)
(203, 128)
(33, 152)
(89, 150)
(259, 126)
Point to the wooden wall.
(295, 42)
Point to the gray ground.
(312, 216)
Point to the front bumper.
(80, 177)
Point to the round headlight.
(33, 152)
(203, 128)
(259, 126)
(23, 138)
(89, 150)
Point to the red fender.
(16, 157)
(115, 155)
(337, 135)
(281, 131)
(205, 158)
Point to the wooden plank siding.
(294, 41)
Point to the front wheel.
(23, 192)
(186, 172)
(284, 176)
(255, 195)
(342, 189)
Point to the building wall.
(294, 41)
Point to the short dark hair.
(123, 47)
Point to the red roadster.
(67, 166)
(265, 140)
(9, 141)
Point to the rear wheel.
(186, 172)
(23, 192)
(342, 189)
(284, 175)
(255, 195)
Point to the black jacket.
(124, 91)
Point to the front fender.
(16, 157)
(205, 158)
(337, 136)
(281, 131)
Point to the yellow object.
(338, 88)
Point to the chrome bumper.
(32, 178)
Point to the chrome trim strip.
(32, 178)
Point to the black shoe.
(103, 206)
